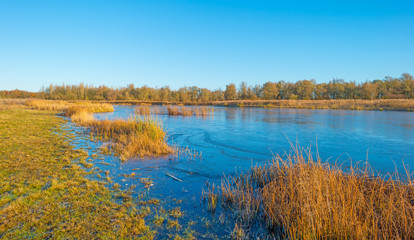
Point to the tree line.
(387, 88)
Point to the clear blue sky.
(204, 43)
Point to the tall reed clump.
(303, 198)
(134, 137)
(47, 105)
(142, 110)
(79, 115)
(69, 108)
(195, 111)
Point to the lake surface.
(234, 139)
(237, 138)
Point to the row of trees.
(387, 88)
(21, 94)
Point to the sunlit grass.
(69, 107)
(186, 111)
(142, 110)
(44, 193)
(346, 104)
(303, 198)
(133, 137)
(137, 136)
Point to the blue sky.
(204, 43)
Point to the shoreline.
(342, 104)
(45, 192)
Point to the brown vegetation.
(134, 137)
(306, 199)
(349, 104)
(69, 107)
(142, 110)
(185, 111)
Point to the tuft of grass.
(238, 233)
(173, 224)
(175, 213)
(211, 197)
(133, 137)
(184, 111)
(300, 197)
(142, 110)
(81, 116)
(173, 111)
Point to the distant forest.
(387, 88)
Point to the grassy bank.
(302, 198)
(44, 193)
(69, 107)
(346, 104)
(133, 137)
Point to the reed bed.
(6, 104)
(142, 110)
(302, 198)
(134, 137)
(79, 116)
(346, 104)
(195, 111)
(69, 107)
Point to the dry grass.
(11, 103)
(69, 107)
(134, 137)
(303, 198)
(347, 104)
(185, 111)
(142, 110)
(174, 111)
(81, 116)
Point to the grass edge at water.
(300, 197)
(43, 191)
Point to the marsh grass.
(11, 103)
(303, 198)
(69, 108)
(211, 197)
(137, 136)
(44, 193)
(346, 104)
(81, 116)
(142, 110)
(186, 111)
(133, 137)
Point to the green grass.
(44, 193)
